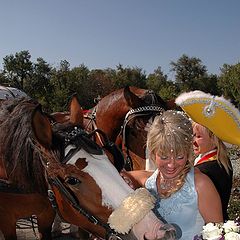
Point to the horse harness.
(110, 233)
(151, 110)
(91, 125)
(133, 113)
(56, 182)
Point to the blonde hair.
(222, 155)
(172, 132)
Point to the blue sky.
(136, 33)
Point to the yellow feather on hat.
(216, 113)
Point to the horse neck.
(3, 173)
(110, 116)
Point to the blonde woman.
(212, 159)
(185, 196)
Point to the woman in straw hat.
(213, 160)
(184, 194)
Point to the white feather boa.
(131, 211)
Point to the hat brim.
(216, 113)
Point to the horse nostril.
(72, 180)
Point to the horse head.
(88, 190)
(73, 105)
(112, 109)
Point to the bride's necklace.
(166, 184)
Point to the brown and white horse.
(88, 189)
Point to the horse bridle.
(134, 113)
(55, 181)
(110, 233)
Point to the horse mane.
(21, 161)
(151, 98)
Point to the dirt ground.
(25, 231)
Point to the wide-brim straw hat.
(216, 113)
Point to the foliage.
(3, 80)
(129, 76)
(52, 86)
(188, 71)
(39, 86)
(229, 82)
(18, 69)
(234, 203)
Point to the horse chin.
(151, 228)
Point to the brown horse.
(23, 190)
(123, 116)
(109, 113)
(81, 184)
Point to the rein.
(76, 133)
(134, 113)
(110, 233)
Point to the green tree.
(39, 86)
(156, 80)
(160, 84)
(208, 84)
(3, 80)
(80, 79)
(188, 72)
(17, 69)
(130, 76)
(62, 86)
(229, 82)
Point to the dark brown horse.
(23, 190)
(124, 115)
(78, 171)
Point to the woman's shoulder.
(202, 181)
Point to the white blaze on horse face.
(113, 187)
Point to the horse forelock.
(22, 163)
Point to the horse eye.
(72, 180)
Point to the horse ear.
(133, 100)
(42, 127)
(76, 111)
